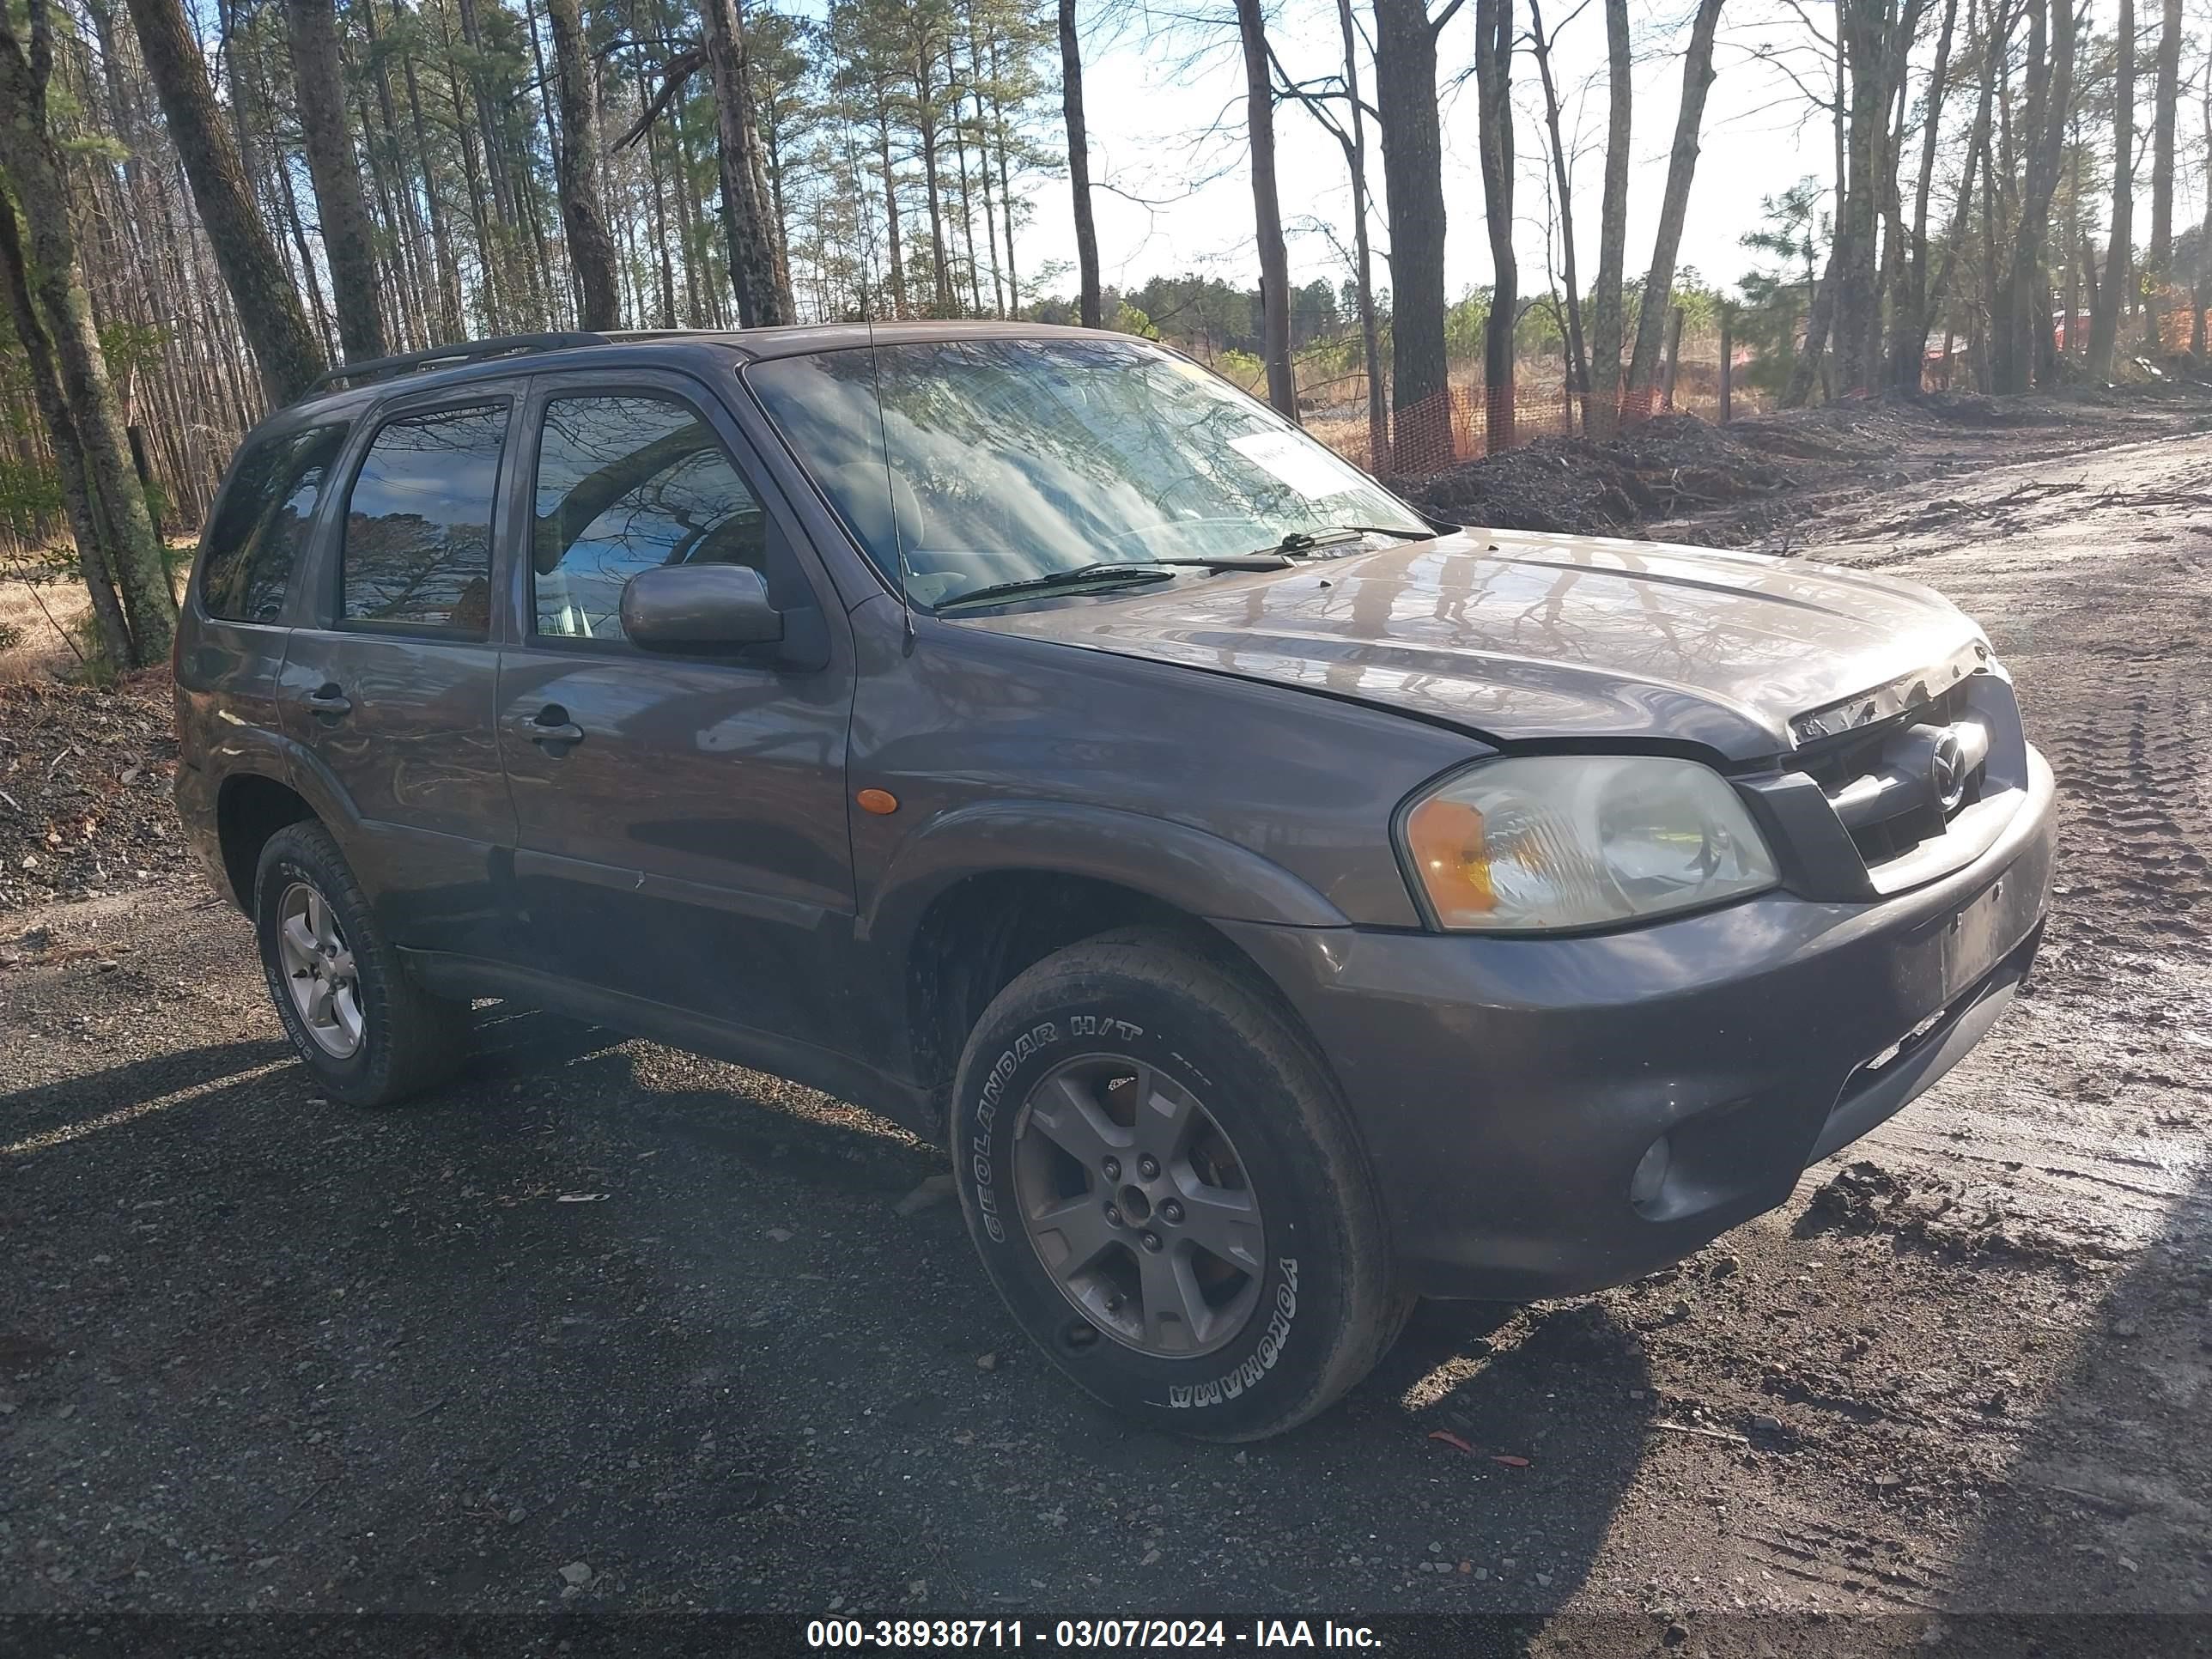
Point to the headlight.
(1581, 840)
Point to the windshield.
(1011, 459)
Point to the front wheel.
(1166, 1193)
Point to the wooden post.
(1728, 364)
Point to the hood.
(1521, 637)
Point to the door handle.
(550, 724)
(329, 703)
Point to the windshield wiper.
(1304, 541)
(1084, 575)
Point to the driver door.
(682, 827)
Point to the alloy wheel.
(1138, 1206)
(318, 971)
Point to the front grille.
(1881, 779)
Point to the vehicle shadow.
(603, 1303)
(47, 1108)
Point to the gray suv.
(1284, 906)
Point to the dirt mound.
(84, 788)
(1864, 1198)
(1661, 468)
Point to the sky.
(1173, 197)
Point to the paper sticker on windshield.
(1298, 462)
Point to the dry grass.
(39, 651)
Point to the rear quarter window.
(417, 549)
(257, 536)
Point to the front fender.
(1199, 874)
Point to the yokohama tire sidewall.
(1265, 1375)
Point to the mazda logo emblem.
(1947, 769)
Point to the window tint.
(418, 524)
(257, 536)
(625, 484)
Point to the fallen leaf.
(1451, 1440)
(1509, 1460)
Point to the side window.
(418, 524)
(256, 538)
(625, 483)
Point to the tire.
(403, 1039)
(1235, 1316)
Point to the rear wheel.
(369, 1034)
(1167, 1194)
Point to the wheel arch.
(250, 808)
(983, 894)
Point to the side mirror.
(699, 606)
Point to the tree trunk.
(2119, 248)
(1078, 164)
(1493, 75)
(33, 165)
(1006, 185)
(61, 436)
(763, 292)
(1875, 42)
(924, 106)
(2022, 344)
(1370, 334)
(449, 276)
(1908, 340)
(1955, 239)
(1412, 182)
(1578, 363)
(1673, 206)
(2165, 102)
(336, 172)
(1274, 259)
(1820, 310)
(1601, 413)
(890, 208)
(277, 328)
(576, 169)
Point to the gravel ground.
(603, 1328)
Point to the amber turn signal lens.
(1445, 838)
(881, 802)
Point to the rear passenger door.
(240, 600)
(681, 818)
(391, 686)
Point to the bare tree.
(576, 170)
(77, 500)
(1412, 177)
(1268, 210)
(1078, 164)
(2022, 309)
(2164, 105)
(2112, 291)
(32, 163)
(1493, 75)
(1675, 204)
(1539, 47)
(268, 309)
(1911, 311)
(335, 174)
(758, 273)
(1602, 411)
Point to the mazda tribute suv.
(1282, 905)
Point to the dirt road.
(605, 1308)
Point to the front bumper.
(1508, 1089)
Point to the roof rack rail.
(467, 351)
